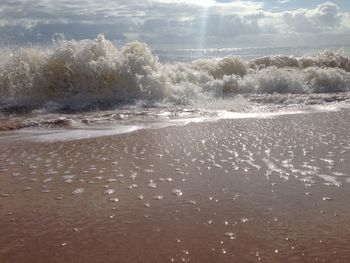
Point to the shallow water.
(246, 190)
(40, 125)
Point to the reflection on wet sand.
(269, 190)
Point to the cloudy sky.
(179, 23)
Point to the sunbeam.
(203, 26)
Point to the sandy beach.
(209, 131)
(247, 190)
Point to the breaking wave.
(95, 71)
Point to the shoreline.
(62, 128)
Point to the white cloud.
(323, 17)
(161, 23)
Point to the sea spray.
(94, 72)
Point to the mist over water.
(86, 73)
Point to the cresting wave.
(95, 71)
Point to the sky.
(175, 24)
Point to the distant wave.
(91, 71)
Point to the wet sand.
(12, 124)
(248, 190)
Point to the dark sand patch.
(17, 124)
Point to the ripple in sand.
(111, 180)
(152, 185)
(78, 191)
(109, 191)
(230, 235)
(132, 186)
(47, 180)
(223, 251)
(177, 192)
(244, 220)
(133, 176)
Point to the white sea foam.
(82, 73)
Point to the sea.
(74, 89)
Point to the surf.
(96, 72)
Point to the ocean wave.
(92, 71)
